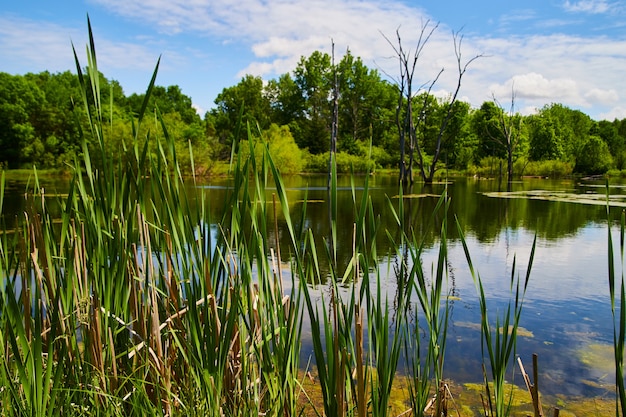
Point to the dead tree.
(404, 111)
(508, 133)
(335, 122)
(462, 68)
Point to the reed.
(425, 310)
(139, 302)
(499, 339)
(136, 304)
(617, 291)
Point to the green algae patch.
(521, 398)
(583, 407)
(415, 196)
(615, 200)
(598, 356)
(521, 331)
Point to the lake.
(566, 318)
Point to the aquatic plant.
(137, 301)
(499, 340)
(617, 291)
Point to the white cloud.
(588, 6)
(535, 86)
(576, 71)
(199, 110)
(615, 113)
(600, 96)
(41, 45)
(270, 36)
(46, 46)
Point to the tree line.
(40, 123)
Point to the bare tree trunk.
(462, 68)
(508, 135)
(406, 124)
(335, 122)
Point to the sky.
(540, 52)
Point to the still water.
(566, 318)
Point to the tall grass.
(617, 291)
(138, 302)
(499, 340)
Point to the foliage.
(595, 157)
(137, 301)
(40, 122)
(346, 163)
(280, 145)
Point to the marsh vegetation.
(131, 294)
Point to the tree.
(609, 133)
(247, 96)
(56, 123)
(595, 157)
(544, 142)
(571, 129)
(506, 133)
(286, 100)
(485, 123)
(314, 78)
(20, 101)
(360, 93)
(405, 118)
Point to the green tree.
(360, 94)
(282, 147)
(314, 78)
(20, 101)
(595, 157)
(56, 123)
(453, 137)
(286, 100)
(544, 142)
(609, 132)
(571, 129)
(248, 95)
(485, 123)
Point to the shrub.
(595, 157)
(282, 147)
(346, 163)
(549, 168)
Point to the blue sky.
(548, 51)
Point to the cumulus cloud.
(600, 96)
(271, 36)
(588, 6)
(47, 46)
(535, 86)
(614, 113)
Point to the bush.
(282, 147)
(346, 163)
(489, 166)
(595, 157)
(380, 156)
(549, 168)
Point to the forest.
(41, 125)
